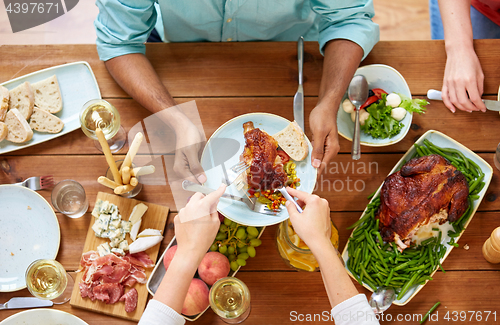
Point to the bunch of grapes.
(237, 242)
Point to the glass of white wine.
(100, 113)
(47, 279)
(230, 300)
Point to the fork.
(36, 183)
(231, 174)
(288, 197)
(252, 203)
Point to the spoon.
(382, 299)
(358, 94)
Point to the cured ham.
(105, 277)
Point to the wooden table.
(230, 79)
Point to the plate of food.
(224, 258)
(43, 317)
(29, 231)
(417, 216)
(386, 116)
(45, 104)
(282, 141)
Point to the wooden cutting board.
(155, 218)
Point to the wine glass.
(230, 299)
(98, 113)
(47, 279)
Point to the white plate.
(226, 144)
(78, 85)
(43, 317)
(441, 140)
(29, 231)
(389, 79)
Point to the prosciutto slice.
(105, 277)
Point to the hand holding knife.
(491, 105)
(298, 99)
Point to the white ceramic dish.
(29, 231)
(444, 141)
(78, 85)
(43, 317)
(389, 79)
(159, 272)
(226, 145)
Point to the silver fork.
(36, 183)
(231, 174)
(252, 203)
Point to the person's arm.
(194, 238)
(346, 36)
(463, 76)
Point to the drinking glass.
(68, 197)
(230, 300)
(47, 279)
(100, 113)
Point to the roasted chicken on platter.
(260, 153)
(426, 190)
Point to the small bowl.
(136, 190)
(390, 80)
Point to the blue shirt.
(123, 26)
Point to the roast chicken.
(266, 169)
(426, 190)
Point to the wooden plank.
(155, 218)
(215, 111)
(253, 69)
(345, 184)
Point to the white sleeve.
(159, 313)
(354, 311)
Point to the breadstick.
(134, 181)
(145, 170)
(108, 155)
(132, 151)
(107, 182)
(126, 175)
(124, 189)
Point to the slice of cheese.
(135, 229)
(137, 213)
(143, 243)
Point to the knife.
(25, 302)
(193, 187)
(492, 105)
(298, 99)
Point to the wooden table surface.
(230, 79)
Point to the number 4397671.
(471, 315)
(32, 7)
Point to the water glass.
(68, 197)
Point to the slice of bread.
(22, 99)
(48, 95)
(3, 131)
(291, 139)
(43, 121)
(19, 129)
(4, 102)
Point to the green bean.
(431, 257)
(366, 216)
(408, 285)
(476, 183)
(389, 278)
(379, 237)
(402, 266)
(427, 241)
(371, 195)
(430, 312)
(441, 267)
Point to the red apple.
(169, 255)
(213, 267)
(196, 299)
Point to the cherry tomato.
(378, 92)
(284, 157)
(251, 192)
(369, 101)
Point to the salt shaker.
(491, 247)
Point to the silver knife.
(298, 99)
(492, 105)
(25, 302)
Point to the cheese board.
(155, 217)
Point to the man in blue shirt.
(343, 29)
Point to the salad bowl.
(389, 79)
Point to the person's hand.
(463, 81)
(323, 122)
(313, 225)
(187, 155)
(194, 237)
